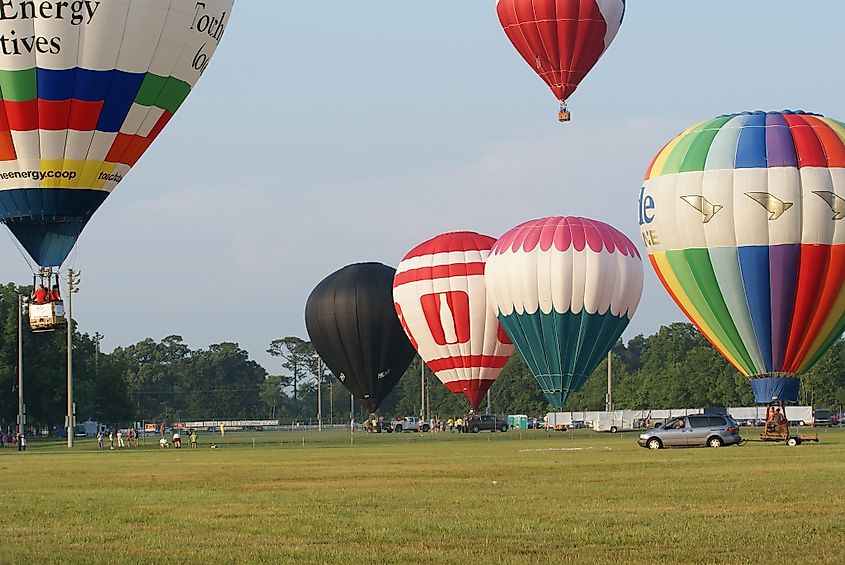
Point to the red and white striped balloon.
(441, 300)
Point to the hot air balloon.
(86, 87)
(353, 326)
(442, 303)
(564, 288)
(743, 216)
(561, 40)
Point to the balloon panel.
(84, 99)
(442, 302)
(564, 290)
(353, 326)
(742, 216)
(561, 39)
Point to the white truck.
(617, 421)
(408, 424)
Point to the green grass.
(527, 498)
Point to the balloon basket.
(564, 116)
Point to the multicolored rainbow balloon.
(564, 288)
(743, 216)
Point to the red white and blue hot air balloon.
(441, 300)
(85, 88)
(744, 220)
(561, 40)
(564, 289)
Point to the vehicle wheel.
(398, 429)
(714, 442)
(792, 442)
(426, 427)
(802, 423)
(613, 429)
(654, 443)
(504, 429)
(475, 429)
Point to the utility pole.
(422, 390)
(21, 418)
(319, 394)
(72, 288)
(609, 403)
(97, 337)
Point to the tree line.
(168, 381)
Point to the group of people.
(18, 439)
(774, 419)
(42, 296)
(129, 439)
(176, 440)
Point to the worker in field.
(459, 424)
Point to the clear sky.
(333, 132)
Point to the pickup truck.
(481, 422)
(408, 424)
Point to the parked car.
(536, 424)
(487, 422)
(822, 418)
(693, 431)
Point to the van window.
(699, 421)
(717, 421)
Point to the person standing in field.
(111, 439)
(193, 439)
(119, 438)
(100, 440)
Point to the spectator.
(177, 440)
(162, 443)
(111, 439)
(193, 439)
(100, 440)
(120, 439)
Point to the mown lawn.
(534, 497)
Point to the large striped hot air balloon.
(86, 87)
(442, 302)
(744, 219)
(561, 40)
(564, 288)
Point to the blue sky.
(328, 133)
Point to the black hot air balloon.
(353, 325)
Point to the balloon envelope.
(442, 302)
(565, 288)
(353, 326)
(561, 40)
(84, 99)
(743, 216)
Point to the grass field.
(534, 497)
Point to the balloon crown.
(765, 113)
